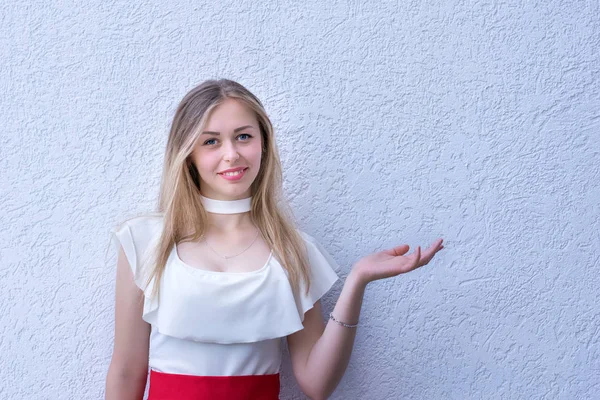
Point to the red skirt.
(166, 386)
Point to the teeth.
(233, 173)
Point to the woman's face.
(230, 140)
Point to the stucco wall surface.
(397, 122)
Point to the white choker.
(226, 206)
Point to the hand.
(392, 262)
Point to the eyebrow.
(234, 131)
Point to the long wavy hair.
(179, 203)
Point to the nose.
(231, 153)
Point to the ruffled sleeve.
(122, 236)
(137, 236)
(323, 274)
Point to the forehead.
(230, 115)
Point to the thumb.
(397, 250)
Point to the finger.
(429, 253)
(435, 246)
(417, 260)
(397, 250)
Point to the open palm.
(394, 261)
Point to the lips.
(229, 172)
(236, 177)
(232, 170)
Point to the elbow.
(315, 386)
(124, 383)
(118, 372)
(315, 393)
(319, 396)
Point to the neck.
(229, 223)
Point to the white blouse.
(211, 323)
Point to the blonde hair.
(179, 202)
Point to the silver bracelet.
(341, 323)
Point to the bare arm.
(320, 355)
(127, 374)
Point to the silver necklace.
(227, 257)
(228, 207)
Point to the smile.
(234, 175)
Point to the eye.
(242, 134)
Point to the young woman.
(236, 275)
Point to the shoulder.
(141, 229)
(143, 222)
(318, 256)
(306, 237)
(309, 240)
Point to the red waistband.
(167, 386)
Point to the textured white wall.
(397, 123)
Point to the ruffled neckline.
(224, 307)
(199, 271)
